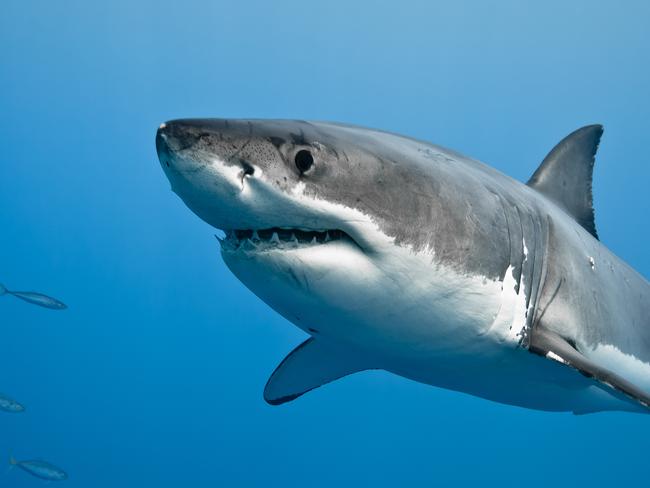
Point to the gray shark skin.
(396, 254)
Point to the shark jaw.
(306, 258)
(279, 239)
(302, 274)
(320, 280)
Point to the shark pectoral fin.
(310, 365)
(552, 346)
(565, 175)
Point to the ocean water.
(154, 374)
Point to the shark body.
(396, 254)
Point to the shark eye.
(304, 160)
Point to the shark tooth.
(248, 245)
(275, 238)
(256, 236)
(327, 237)
(314, 240)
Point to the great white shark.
(396, 254)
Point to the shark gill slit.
(505, 216)
(538, 271)
(541, 283)
(528, 249)
(517, 259)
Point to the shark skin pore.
(396, 254)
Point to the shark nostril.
(248, 169)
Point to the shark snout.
(172, 139)
(162, 148)
(205, 164)
(188, 145)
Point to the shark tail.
(3, 290)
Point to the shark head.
(344, 231)
(272, 177)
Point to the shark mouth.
(277, 238)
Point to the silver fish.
(40, 469)
(35, 298)
(9, 405)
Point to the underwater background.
(154, 374)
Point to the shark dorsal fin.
(566, 173)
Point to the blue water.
(154, 375)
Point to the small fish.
(35, 298)
(9, 405)
(40, 469)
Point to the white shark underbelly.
(443, 328)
